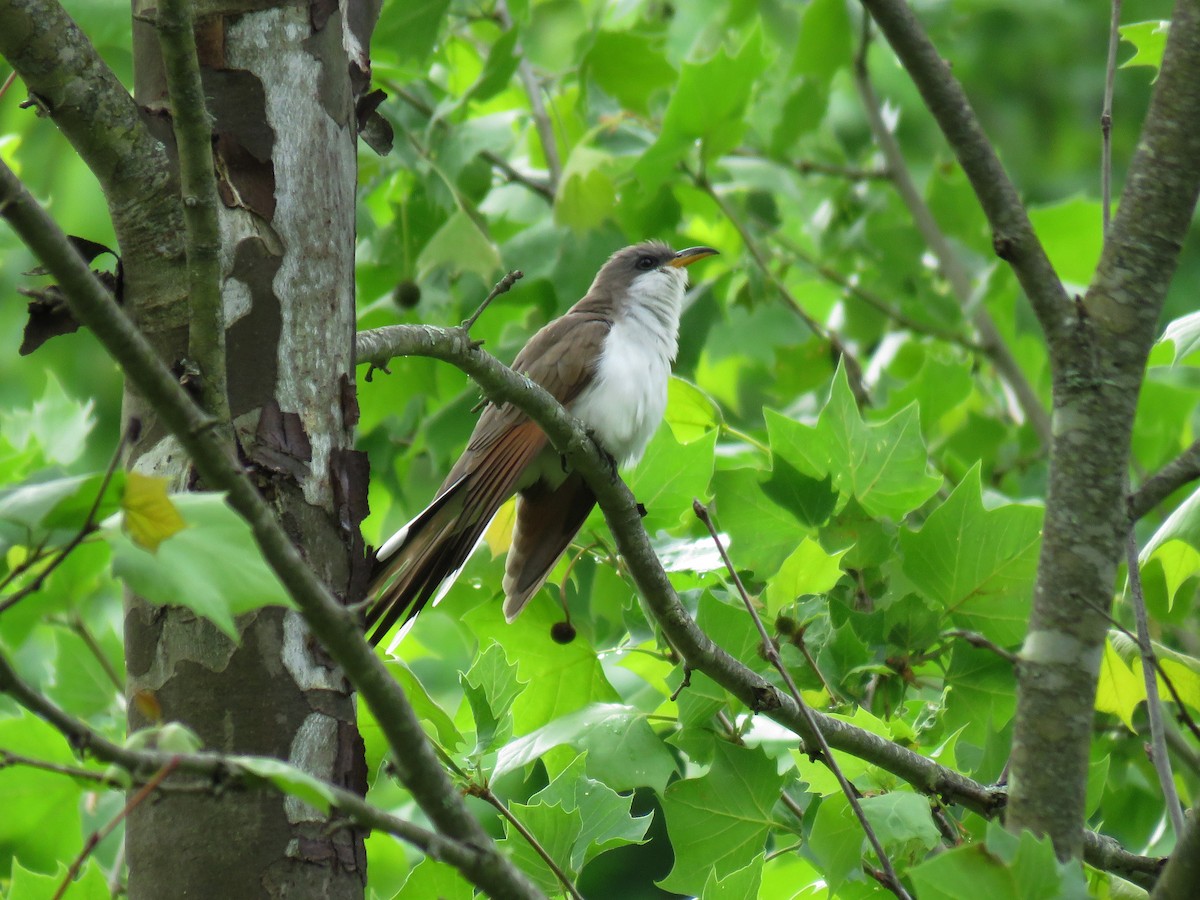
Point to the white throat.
(624, 403)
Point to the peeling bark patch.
(349, 398)
(319, 12)
(245, 141)
(333, 88)
(49, 315)
(250, 372)
(280, 442)
(350, 473)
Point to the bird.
(607, 360)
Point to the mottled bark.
(278, 86)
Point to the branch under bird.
(607, 360)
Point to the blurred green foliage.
(868, 534)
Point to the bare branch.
(951, 264)
(1154, 490)
(1110, 78)
(537, 107)
(1162, 761)
(888, 878)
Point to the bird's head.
(648, 269)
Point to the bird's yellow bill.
(691, 255)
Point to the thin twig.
(198, 187)
(975, 639)
(496, 161)
(503, 286)
(950, 263)
(1013, 237)
(853, 368)
(812, 166)
(1110, 77)
(537, 107)
(97, 836)
(485, 793)
(8, 758)
(1162, 761)
(77, 625)
(890, 879)
(88, 526)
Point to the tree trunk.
(278, 87)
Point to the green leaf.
(1119, 690)
(1072, 233)
(41, 823)
(557, 831)
(837, 840)
(669, 476)
(826, 43)
(902, 822)
(1149, 39)
(761, 533)
(691, 413)
(977, 564)
(743, 882)
(183, 573)
(90, 884)
(1184, 335)
(719, 822)
(1176, 545)
(707, 106)
(289, 779)
(410, 29)
(628, 66)
(53, 512)
(622, 750)
(884, 465)
(809, 570)
(459, 246)
(502, 62)
(606, 820)
(586, 194)
(430, 878)
(491, 686)
(56, 423)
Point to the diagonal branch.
(337, 628)
(1012, 233)
(1154, 490)
(501, 385)
(950, 263)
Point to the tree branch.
(91, 107)
(336, 627)
(1174, 475)
(501, 385)
(541, 121)
(193, 143)
(211, 772)
(950, 263)
(1012, 233)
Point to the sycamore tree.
(901, 599)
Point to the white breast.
(624, 403)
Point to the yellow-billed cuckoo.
(607, 360)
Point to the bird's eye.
(645, 263)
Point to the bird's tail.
(425, 555)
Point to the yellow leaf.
(150, 516)
(499, 534)
(1119, 689)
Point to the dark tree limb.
(1154, 490)
(338, 629)
(1012, 233)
